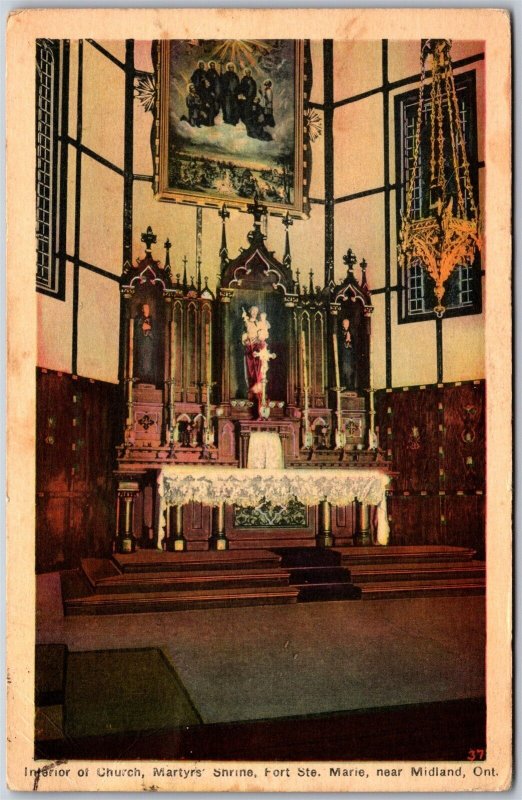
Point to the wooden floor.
(151, 580)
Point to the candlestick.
(131, 348)
(336, 361)
(305, 363)
(372, 394)
(172, 416)
(130, 369)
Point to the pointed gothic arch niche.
(191, 350)
(353, 356)
(147, 310)
(178, 322)
(206, 343)
(256, 280)
(271, 303)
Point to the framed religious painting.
(230, 123)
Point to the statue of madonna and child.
(257, 356)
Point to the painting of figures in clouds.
(234, 120)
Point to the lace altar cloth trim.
(249, 487)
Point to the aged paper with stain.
(242, 686)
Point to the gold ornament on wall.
(448, 235)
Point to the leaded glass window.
(463, 289)
(47, 75)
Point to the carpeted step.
(304, 575)
(313, 592)
(386, 590)
(175, 601)
(406, 555)
(364, 573)
(308, 557)
(104, 578)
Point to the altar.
(220, 487)
(248, 415)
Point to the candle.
(336, 362)
(207, 351)
(372, 397)
(305, 365)
(130, 365)
(370, 357)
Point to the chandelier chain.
(449, 85)
(465, 163)
(416, 148)
(440, 141)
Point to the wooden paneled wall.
(76, 420)
(435, 436)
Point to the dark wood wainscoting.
(435, 436)
(75, 428)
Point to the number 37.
(476, 755)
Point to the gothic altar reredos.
(271, 372)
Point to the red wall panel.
(435, 437)
(75, 432)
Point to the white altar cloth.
(178, 485)
(265, 450)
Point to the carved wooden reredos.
(192, 377)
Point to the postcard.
(259, 393)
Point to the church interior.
(260, 479)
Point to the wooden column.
(127, 491)
(324, 536)
(363, 535)
(175, 539)
(218, 539)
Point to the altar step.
(160, 561)
(151, 580)
(372, 573)
(397, 554)
(104, 577)
(394, 572)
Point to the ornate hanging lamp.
(446, 235)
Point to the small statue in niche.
(347, 356)
(144, 346)
(257, 354)
(323, 438)
(184, 434)
(193, 434)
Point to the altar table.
(217, 486)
